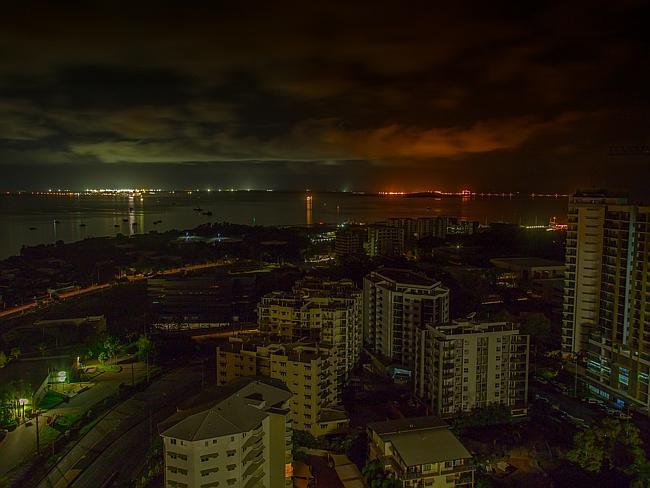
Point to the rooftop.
(237, 407)
(531, 262)
(421, 440)
(405, 277)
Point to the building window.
(231, 467)
(173, 441)
(623, 376)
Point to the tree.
(377, 477)
(610, 445)
(3, 359)
(537, 326)
(144, 348)
(111, 345)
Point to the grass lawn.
(49, 434)
(64, 422)
(50, 400)
(113, 368)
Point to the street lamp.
(22, 402)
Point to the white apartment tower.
(463, 366)
(607, 296)
(241, 440)
(397, 303)
(584, 259)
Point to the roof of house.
(427, 446)
(235, 408)
(421, 440)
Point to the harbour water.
(27, 219)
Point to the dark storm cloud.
(358, 94)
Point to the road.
(20, 444)
(116, 442)
(100, 287)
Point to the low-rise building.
(529, 270)
(240, 438)
(421, 451)
(464, 366)
(308, 370)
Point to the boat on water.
(198, 209)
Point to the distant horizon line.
(190, 191)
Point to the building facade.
(464, 366)
(242, 440)
(396, 304)
(308, 370)
(328, 312)
(584, 264)
(350, 241)
(385, 240)
(607, 297)
(421, 451)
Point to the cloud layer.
(442, 96)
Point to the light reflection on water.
(101, 214)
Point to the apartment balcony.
(254, 455)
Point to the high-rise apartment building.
(584, 265)
(329, 312)
(432, 227)
(240, 438)
(350, 241)
(397, 303)
(463, 366)
(607, 295)
(308, 370)
(385, 240)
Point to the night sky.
(339, 96)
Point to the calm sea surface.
(31, 220)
